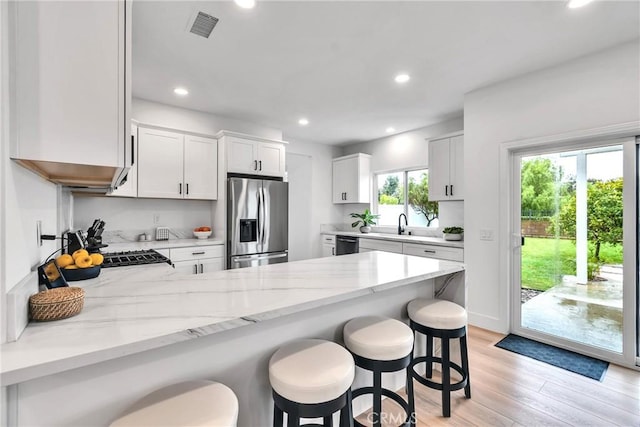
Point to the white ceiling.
(334, 61)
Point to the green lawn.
(545, 261)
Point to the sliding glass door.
(569, 268)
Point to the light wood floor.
(508, 389)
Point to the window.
(393, 200)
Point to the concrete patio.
(590, 314)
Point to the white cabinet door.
(200, 168)
(439, 169)
(241, 155)
(160, 164)
(351, 179)
(130, 187)
(328, 250)
(210, 265)
(186, 267)
(271, 158)
(446, 169)
(366, 245)
(69, 75)
(456, 168)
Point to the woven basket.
(57, 303)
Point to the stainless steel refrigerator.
(257, 222)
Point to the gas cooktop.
(127, 258)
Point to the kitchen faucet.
(400, 228)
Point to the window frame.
(405, 176)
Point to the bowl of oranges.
(202, 232)
(80, 265)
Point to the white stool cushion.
(191, 403)
(311, 371)
(437, 313)
(378, 338)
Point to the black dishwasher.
(346, 245)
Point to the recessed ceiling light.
(390, 130)
(402, 78)
(181, 91)
(573, 4)
(303, 122)
(246, 4)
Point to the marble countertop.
(160, 244)
(133, 309)
(401, 238)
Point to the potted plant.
(367, 219)
(452, 233)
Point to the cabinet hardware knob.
(197, 253)
(201, 268)
(451, 189)
(428, 251)
(446, 190)
(260, 162)
(195, 266)
(180, 188)
(187, 188)
(255, 165)
(133, 150)
(333, 251)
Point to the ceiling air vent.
(203, 25)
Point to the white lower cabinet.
(328, 245)
(367, 245)
(417, 249)
(433, 251)
(198, 259)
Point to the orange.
(83, 261)
(71, 267)
(64, 260)
(96, 259)
(80, 252)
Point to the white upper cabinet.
(176, 166)
(253, 155)
(446, 168)
(352, 179)
(71, 97)
(200, 168)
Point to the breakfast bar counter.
(144, 327)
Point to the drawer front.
(380, 245)
(196, 252)
(328, 239)
(431, 251)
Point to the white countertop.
(401, 238)
(133, 309)
(160, 244)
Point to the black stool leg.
(429, 365)
(464, 356)
(411, 398)
(293, 420)
(327, 421)
(277, 416)
(446, 379)
(346, 413)
(377, 399)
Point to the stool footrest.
(391, 395)
(432, 384)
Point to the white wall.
(153, 113)
(323, 211)
(123, 214)
(586, 93)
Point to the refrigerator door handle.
(260, 219)
(264, 215)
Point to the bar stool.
(380, 344)
(190, 403)
(445, 320)
(311, 378)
